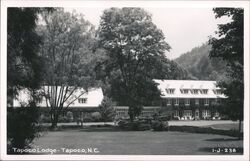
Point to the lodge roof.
(93, 98)
(203, 89)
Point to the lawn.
(138, 142)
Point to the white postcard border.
(96, 4)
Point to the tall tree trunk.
(239, 128)
(54, 119)
(240, 125)
(131, 113)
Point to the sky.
(184, 28)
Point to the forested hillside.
(200, 66)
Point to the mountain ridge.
(200, 66)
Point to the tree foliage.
(22, 127)
(107, 110)
(134, 46)
(68, 50)
(169, 69)
(23, 72)
(229, 47)
(23, 61)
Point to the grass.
(138, 142)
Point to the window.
(184, 91)
(82, 100)
(176, 113)
(206, 102)
(170, 91)
(187, 101)
(217, 91)
(206, 113)
(204, 91)
(169, 102)
(187, 113)
(176, 102)
(120, 114)
(195, 91)
(197, 101)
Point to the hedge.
(206, 130)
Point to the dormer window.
(184, 91)
(170, 90)
(195, 91)
(204, 91)
(217, 91)
(82, 100)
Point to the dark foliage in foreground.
(22, 127)
(230, 47)
(24, 71)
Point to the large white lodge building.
(191, 99)
(181, 99)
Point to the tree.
(23, 65)
(67, 47)
(23, 72)
(169, 69)
(134, 46)
(22, 127)
(106, 109)
(229, 47)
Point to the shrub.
(22, 127)
(107, 110)
(63, 119)
(122, 123)
(144, 126)
(157, 126)
(96, 116)
(88, 119)
(207, 130)
(45, 119)
(69, 116)
(134, 126)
